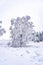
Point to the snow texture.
(32, 55)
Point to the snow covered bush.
(2, 30)
(21, 31)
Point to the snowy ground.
(32, 55)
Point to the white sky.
(14, 8)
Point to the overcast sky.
(14, 8)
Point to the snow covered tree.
(2, 30)
(40, 36)
(36, 37)
(21, 31)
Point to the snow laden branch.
(2, 30)
(21, 31)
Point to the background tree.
(2, 30)
(40, 36)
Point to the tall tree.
(21, 31)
